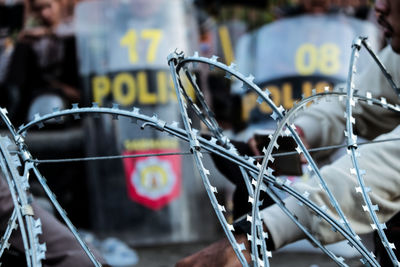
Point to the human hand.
(70, 92)
(254, 146)
(303, 139)
(219, 254)
(34, 33)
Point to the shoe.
(117, 253)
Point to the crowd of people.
(40, 57)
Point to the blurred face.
(48, 11)
(388, 12)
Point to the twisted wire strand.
(323, 148)
(43, 161)
(257, 235)
(207, 117)
(7, 167)
(173, 60)
(11, 225)
(250, 191)
(352, 149)
(338, 260)
(62, 213)
(256, 218)
(34, 227)
(214, 128)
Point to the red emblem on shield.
(153, 181)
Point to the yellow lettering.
(283, 95)
(306, 89)
(145, 97)
(130, 40)
(329, 62)
(320, 87)
(124, 89)
(275, 96)
(146, 144)
(162, 87)
(287, 92)
(101, 88)
(265, 108)
(306, 59)
(154, 36)
(127, 89)
(249, 101)
(310, 58)
(172, 96)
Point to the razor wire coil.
(257, 177)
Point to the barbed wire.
(210, 146)
(353, 146)
(280, 154)
(257, 177)
(284, 126)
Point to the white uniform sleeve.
(380, 162)
(324, 125)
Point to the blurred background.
(54, 53)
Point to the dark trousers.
(62, 248)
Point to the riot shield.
(293, 56)
(123, 48)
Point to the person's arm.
(218, 254)
(380, 163)
(384, 182)
(324, 123)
